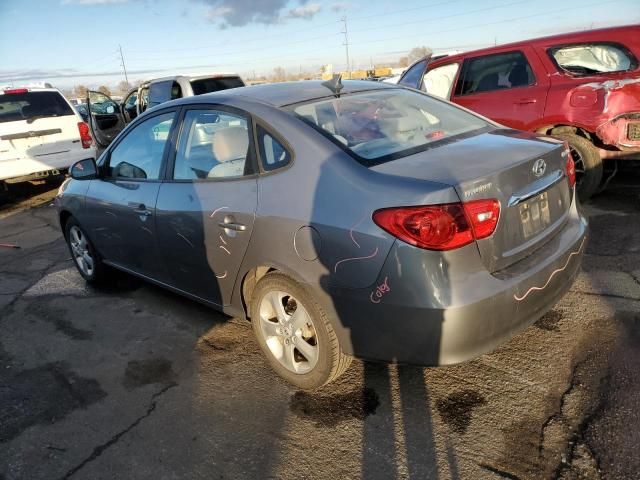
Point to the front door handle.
(142, 210)
(238, 227)
(525, 101)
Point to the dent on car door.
(105, 117)
(206, 210)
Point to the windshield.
(385, 124)
(31, 105)
(208, 85)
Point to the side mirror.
(84, 169)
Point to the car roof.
(611, 33)
(193, 77)
(31, 89)
(287, 93)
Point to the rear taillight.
(85, 136)
(14, 91)
(440, 227)
(570, 167)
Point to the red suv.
(583, 87)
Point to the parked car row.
(361, 219)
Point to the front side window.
(439, 81)
(593, 58)
(274, 155)
(213, 144)
(139, 154)
(495, 72)
(101, 104)
(384, 124)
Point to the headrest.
(230, 144)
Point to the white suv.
(40, 135)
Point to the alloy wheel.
(80, 250)
(289, 332)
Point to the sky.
(70, 42)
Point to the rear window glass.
(208, 85)
(593, 58)
(386, 124)
(32, 105)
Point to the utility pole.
(346, 43)
(126, 79)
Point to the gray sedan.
(368, 221)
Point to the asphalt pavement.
(134, 382)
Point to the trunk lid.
(500, 164)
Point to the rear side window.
(208, 85)
(32, 105)
(593, 58)
(495, 72)
(274, 155)
(213, 144)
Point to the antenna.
(346, 43)
(122, 64)
(335, 84)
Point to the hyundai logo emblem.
(539, 167)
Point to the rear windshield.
(208, 85)
(32, 105)
(593, 58)
(383, 125)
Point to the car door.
(206, 207)
(120, 205)
(160, 92)
(130, 106)
(412, 77)
(105, 118)
(509, 87)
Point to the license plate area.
(535, 215)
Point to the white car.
(41, 134)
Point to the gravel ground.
(135, 382)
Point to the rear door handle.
(526, 101)
(238, 227)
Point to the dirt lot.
(135, 382)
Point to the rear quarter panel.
(589, 101)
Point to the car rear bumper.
(28, 168)
(449, 311)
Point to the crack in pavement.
(100, 449)
(609, 295)
(28, 230)
(558, 415)
(500, 473)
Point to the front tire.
(295, 334)
(588, 165)
(83, 254)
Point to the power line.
(346, 44)
(126, 79)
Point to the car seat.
(230, 148)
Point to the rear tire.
(294, 333)
(84, 255)
(588, 165)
